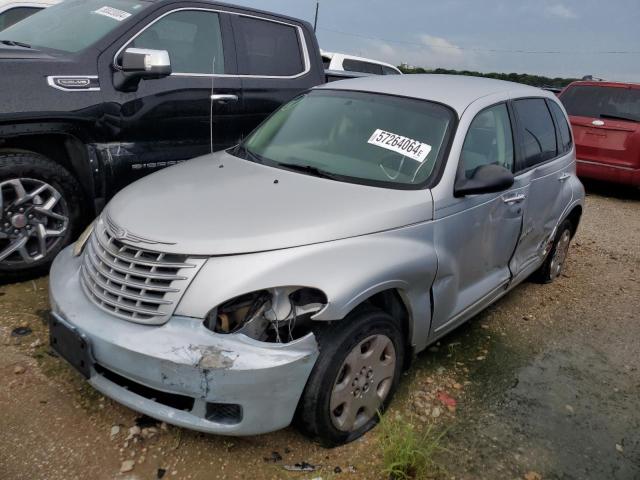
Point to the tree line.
(535, 80)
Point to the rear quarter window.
(351, 65)
(268, 48)
(14, 15)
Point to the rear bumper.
(608, 173)
(180, 372)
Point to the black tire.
(547, 272)
(336, 341)
(32, 166)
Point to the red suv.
(605, 117)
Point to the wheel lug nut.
(30, 216)
(21, 210)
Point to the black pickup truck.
(94, 94)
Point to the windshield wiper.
(310, 170)
(13, 43)
(619, 117)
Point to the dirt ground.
(544, 384)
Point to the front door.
(545, 165)
(476, 236)
(193, 111)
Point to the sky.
(566, 38)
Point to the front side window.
(489, 141)
(537, 131)
(268, 48)
(73, 25)
(618, 103)
(14, 15)
(359, 66)
(354, 137)
(192, 38)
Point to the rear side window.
(192, 38)
(564, 144)
(351, 65)
(489, 141)
(621, 103)
(537, 130)
(268, 48)
(389, 71)
(14, 15)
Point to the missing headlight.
(275, 315)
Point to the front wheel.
(40, 208)
(554, 263)
(354, 379)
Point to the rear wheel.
(40, 208)
(555, 261)
(354, 378)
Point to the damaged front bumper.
(180, 372)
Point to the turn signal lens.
(78, 247)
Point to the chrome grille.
(133, 283)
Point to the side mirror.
(486, 179)
(136, 64)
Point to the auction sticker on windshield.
(406, 146)
(114, 13)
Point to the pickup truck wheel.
(40, 208)
(354, 378)
(554, 263)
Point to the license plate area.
(70, 345)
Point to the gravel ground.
(544, 384)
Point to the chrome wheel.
(35, 218)
(560, 254)
(363, 383)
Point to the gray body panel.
(446, 257)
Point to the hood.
(14, 52)
(221, 205)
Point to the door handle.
(514, 198)
(224, 98)
(564, 177)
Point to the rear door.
(277, 60)
(606, 123)
(544, 165)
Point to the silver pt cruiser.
(294, 275)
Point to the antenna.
(213, 71)
(315, 22)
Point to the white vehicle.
(12, 11)
(350, 63)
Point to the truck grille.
(136, 284)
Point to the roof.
(457, 91)
(602, 83)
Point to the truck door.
(169, 120)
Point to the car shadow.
(608, 189)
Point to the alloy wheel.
(35, 218)
(363, 383)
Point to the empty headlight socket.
(264, 313)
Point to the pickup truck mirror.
(486, 179)
(136, 64)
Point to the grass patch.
(407, 450)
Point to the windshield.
(621, 103)
(352, 136)
(72, 25)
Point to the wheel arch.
(393, 301)
(61, 147)
(574, 217)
